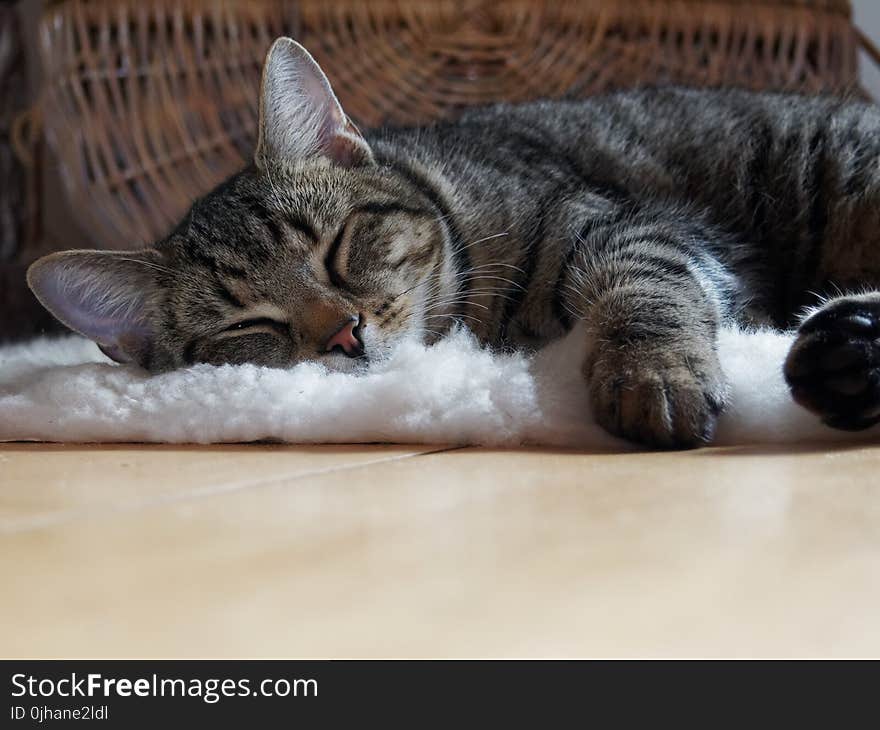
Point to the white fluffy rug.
(64, 389)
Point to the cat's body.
(769, 186)
(653, 216)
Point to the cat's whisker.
(458, 278)
(504, 279)
(441, 218)
(508, 266)
(454, 317)
(461, 301)
(474, 269)
(480, 292)
(395, 297)
(482, 240)
(469, 275)
(573, 290)
(575, 314)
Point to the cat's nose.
(348, 339)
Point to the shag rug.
(64, 389)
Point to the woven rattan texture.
(149, 103)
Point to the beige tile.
(473, 553)
(42, 484)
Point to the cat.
(652, 216)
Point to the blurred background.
(866, 14)
(116, 114)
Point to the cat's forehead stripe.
(229, 296)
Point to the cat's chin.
(342, 364)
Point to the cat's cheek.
(345, 365)
(257, 349)
(384, 345)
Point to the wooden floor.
(396, 551)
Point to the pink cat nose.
(348, 339)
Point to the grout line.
(52, 519)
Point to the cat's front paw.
(833, 367)
(660, 397)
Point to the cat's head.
(314, 252)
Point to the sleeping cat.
(651, 216)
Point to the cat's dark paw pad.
(833, 367)
(663, 401)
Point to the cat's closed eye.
(249, 324)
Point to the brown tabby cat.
(653, 216)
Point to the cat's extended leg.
(833, 367)
(652, 299)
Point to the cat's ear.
(300, 116)
(107, 296)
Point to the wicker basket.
(13, 92)
(150, 103)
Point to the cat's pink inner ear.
(101, 295)
(300, 116)
(347, 147)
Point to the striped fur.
(653, 216)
